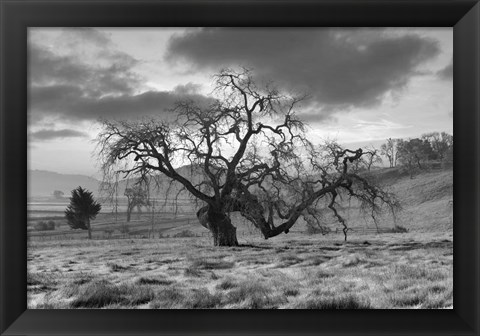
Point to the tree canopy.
(250, 144)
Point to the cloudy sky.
(364, 85)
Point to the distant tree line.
(417, 153)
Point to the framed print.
(316, 162)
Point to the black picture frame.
(17, 16)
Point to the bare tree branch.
(269, 172)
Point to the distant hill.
(162, 187)
(427, 201)
(42, 183)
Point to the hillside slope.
(426, 200)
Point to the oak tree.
(251, 148)
(441, 143)
(414, 153)
(390, 150)
(136, 198)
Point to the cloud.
(50, 134)
(95, 81)
(382, 125)
(110, 75)
(69, 103)
(85, 66)
(338, 68)
(189, 88)
(75, 35)
(447, 72)
(311, 116)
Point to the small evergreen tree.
(81, 210)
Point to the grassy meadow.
(179, 268)
(317, 272)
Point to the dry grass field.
(384, 271)
(370, 271)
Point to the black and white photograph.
(240, 168)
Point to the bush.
(184, 234)
(400, 229)
(51, 225)
(45, 226)
(40, 226)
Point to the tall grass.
(297, 272)
(343, 301)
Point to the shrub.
(184, 234)
(399, 229)
(44, 226)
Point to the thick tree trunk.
(224, 233)
(220, 225)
